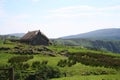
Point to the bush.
(62, 63)
(26, 66)
(94, 60)
(17, 62)
(18, 59)
(44, 62)
(45, 72)
(65, 62)
(36, 64)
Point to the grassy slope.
(80, 49)
(73, 72)
(107, 45)
(51, 60)
(4, 57)
(91, 77)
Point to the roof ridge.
(32, 34)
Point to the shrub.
(62, 63)
(36, 64)
(94, 60)
(45, 72)
(26, 66)
(17, 62)
(44, 62)
(18, 59)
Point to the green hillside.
(57, 62)
(106, 45)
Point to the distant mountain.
(12, 36)
(103, 39)
(103, 34)
(113, 46)
(17, 34)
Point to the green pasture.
(91, 77)
(76, 72)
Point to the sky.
(57, 18)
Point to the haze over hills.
(14, 34)
(17, 34)
(11, 36)
(102, 34)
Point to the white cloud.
(18, 27)
(1, 13)
(80, 19)
(64, 21)
(35, 0)
(73, 8)
(69, 15)
(21, 16)
(83, 10)
(15, 23)
(110, 8)
(1, 8)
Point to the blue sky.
(57, 18)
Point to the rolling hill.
(102, 34)
(113, 46)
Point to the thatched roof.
(31, 34)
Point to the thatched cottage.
(35, 38)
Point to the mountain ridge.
(101, 34)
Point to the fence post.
(11, 73)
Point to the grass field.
(4, 58)
(91, 77)
(76, 72)
(51, 60)
(73, 73)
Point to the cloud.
(84, 10)
(110, 8)
(2, 2)
(21, 16)
(35, 0)
(67, 15)
(18, 27)
(15, 23)
(1, 13)
(73, 8)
